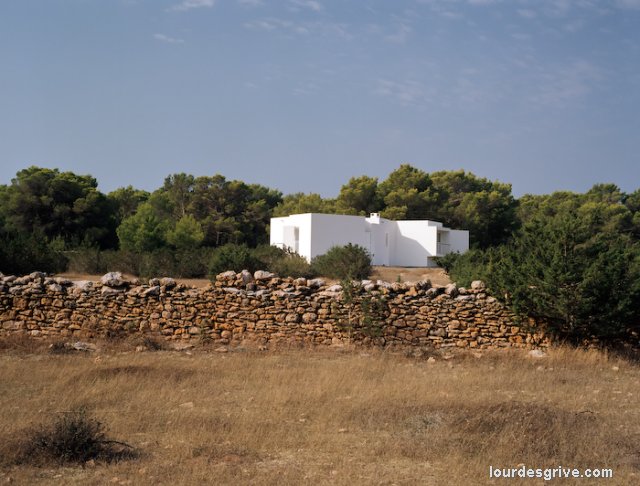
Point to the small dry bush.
(73, 438)
(153, 344)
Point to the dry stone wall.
(260, 308)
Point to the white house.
(391, 243)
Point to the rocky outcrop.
(260, 307)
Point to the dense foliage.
(343, 262)
(22, 253)
(52, 204)
(574, 264)
(580, 282)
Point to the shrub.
(583, 282)
(343, 262)
(292, 265)
(192, 263)
(232, 257)
(85, 260)
(72, 438)
(473, 265)
(96, 261)
(361, 312)
(24, 253)
(580, 279)
(267, 256)
(282, 262)
(151, 343)
(157, 262)
(186, 263)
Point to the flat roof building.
(390, 243)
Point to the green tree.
(609, 193)
(126, 201)
(406, 194)
(58, 204)
(144, 231)
(604, 203)
(458, 199)
(186, 234)
(178, 189)
(232, 211)
(632, 203)
(464, 201)
(359, 196)
(22, 253)
(343, 262)
(232, 257)
(300, 203)
(569, 271)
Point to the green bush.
(267, 256)
(186, 263)
(579, 278)
(25, 253)
(343, 262)
(360, 312)
(232, 257)
(85, 260)
(583, 281)
(282, 262)
(467, 267)
(292, 265)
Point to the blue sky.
(300, 95)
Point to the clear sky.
(300, 95)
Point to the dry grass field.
(344, 417)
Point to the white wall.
(415, 242)
(383, 236)
(458, 241)
(276, 232)
(336, 230)
(282, 233)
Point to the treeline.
(50, 219)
